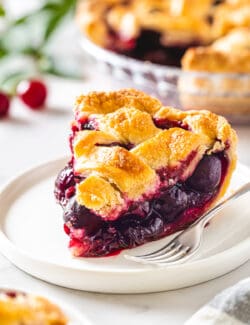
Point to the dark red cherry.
(154, 226)
(4, 104)
(33, 93)
(207, 175)
(81, 217)
(171, 209)
(64, 184)
(171, 203)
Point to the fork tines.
(170, 253)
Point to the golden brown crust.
(120, 167)
(229, 15)
(173, 147)
(98, 194)
(124, 118)
(231, 53)
(128, 125)
(178, 22)
(210, 60)
(29, 309)
(108, 102)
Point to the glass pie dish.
(227, 94)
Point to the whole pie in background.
(161, 31)
(139, 171)
(206, 40)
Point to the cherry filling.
(171, 209)
(168, 124)
(64, 182)
(88, 125)
(127, 146)
(148, 47)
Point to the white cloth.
(230, 307)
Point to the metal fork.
(187, 243)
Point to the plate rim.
(6, 244)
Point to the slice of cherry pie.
(139, 171)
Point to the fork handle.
(210, 214)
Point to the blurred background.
(40, 39)
(39, 36)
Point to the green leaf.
(2, 11)
(58, 13)
(34, 52)
(21, 20)
(3, 52)
(49, 6)
(52, 25)
(9, 83)
(52, 14)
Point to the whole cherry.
(4, 104)
(32, 92)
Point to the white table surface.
(28, 138)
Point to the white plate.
(31, 237)
(74, 317)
